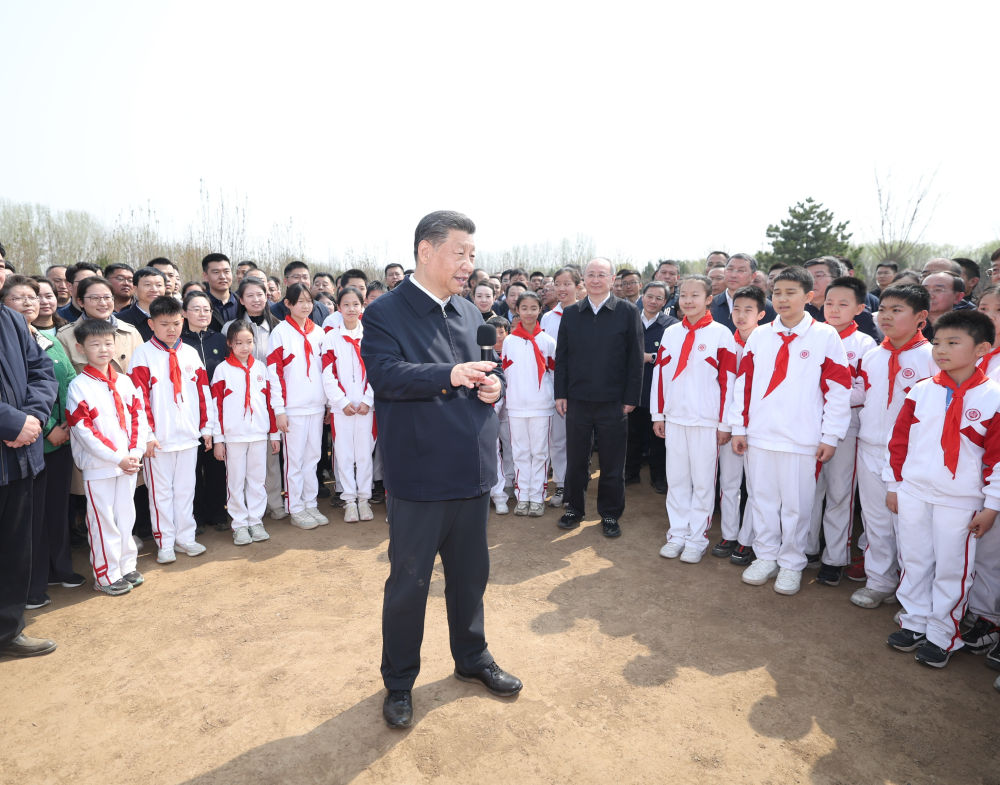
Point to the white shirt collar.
(729, 300)
(646, 322)
(434, 297)
(798, 329)
(596, 308)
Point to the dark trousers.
(210, 489)
(418, 531)
(15, 556)
(640, 433)
(605, 422)
(50, 556)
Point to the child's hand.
(723, 437)
(660, 429)
(350, 410)
(892, 503)
(739, 445)
(282, 422)
(208, 443)
(219, 450)
(275, 447)
(982, 522)
(129, 464)
(151, 447)
(363, 408)
(825, 452)
(59, 435)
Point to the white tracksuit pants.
(692, 455)
(246, 470)
(377, 473)
(783, 487)
(110, 518)
(507, 452)
(937, 553)
(353, 444)
(272, 482)
(881, 526)
(836, 481)
(303, 444)
(731, 470)
(529, 441)
(984, 599)
(497, 492)
(171, 478)
(557, 447)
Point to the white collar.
(434, 297)
(598, 306)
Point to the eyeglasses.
(99, 298)
(28, 298)
(201, 311)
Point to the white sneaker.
(557, 498)
(320, 518)
(521, 509)
(279, 514)
(166, 556)
(351, 512)
(760, 572)
(871, 598)
(303, 520)
(691, 554)
(672, 550)
(788, 581)
(536, 509)
(896, 617)
(258, 533)
(191, 549)
(365, 510)
(241, 536)
(501, 505)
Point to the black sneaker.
(993, 657)
(906, 640)
(742, 556)
(933, 655)
(660, 486)
(632, 479)
(829, 575)
(812, 561)
(34, 603)
(981, 636)
(323, 492)
(116, 589)
(610, 527)
(570, 519)
(378, 493)
(72, 581)
(222, 526)
(134, 577)
(724, 548)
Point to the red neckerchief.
(848, 331)
(520, 332)
(984, 364)
(953, 417)
(109, 380)
(916, 340)
(739, 339)
(356, 343)
(247, 407)
(688, 344)
(305, 337)
(175, 367)
(780, 363)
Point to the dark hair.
(434, 228)
(162, 260)
(754, 293)
(189, 285)
(891, 265)
(235, 329)
(719, 253)
(317, 276)
(375, 286)
(531, 296)
(799, 275)
(89, 328)
(293, 266)
(166, 305)
(993, 256)
(146, 272)
(573, 272)
(746, 258)
(704, 280)
(671, 262)
(971, 268)
(906, 275)
(957, 282)
(191, 296)
(54, 267)
(3, 251)
(832, 264)
(247, 263)
(294, 292)
(274, 278)
(18, 280)
(655, 285)
(499, 322)
(73, 269)
(536, 272)
(856, 285)
(847, 263)
(241, 310)
(778, 266)
(89, 283)
(350, 290)
(518, 271)
(975, 323)
(57, 320)
(625, 271)
(485, 283)
(115, 267)
(519, 284)
(353, 273)
(214, 257)
(913, 294)
(390, 266)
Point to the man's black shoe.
(570, 520)
(660, 486)
(829, 575)
(724, 548)
(23, 646)
(610, 527)
(322, 492)
(494, 678)
(632, 479)
(397, 709)
(378, 493)
(72, 581)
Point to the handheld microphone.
(486, 337)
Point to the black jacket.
(722, 314)
(438, 442)
(133, 315)
(210, 345)
(652, 336)
(599, 356)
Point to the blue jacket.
(722, 314)
(27, 386)
(438, 442)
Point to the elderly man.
(739, 273)
(947, 291)
(825, 270)
(598, 382)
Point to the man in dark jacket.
(739, 273)
(28, 389)
(598, 382)
(434, 406)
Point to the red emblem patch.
(972, 414)
(851, 355)
(804, 354)
(908, 373)
(701, 347)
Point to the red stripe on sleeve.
(834, 372)
(746, 370)
(899, 442)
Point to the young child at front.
(845, 299)
(295, 373)
(350, 396)
(177, 398)
(888, 372)
(791, 407)
(245, 422)
(946, 440)
(505, 463)
(108, 433)
(529, 360)
(692, 379)
(737, 537)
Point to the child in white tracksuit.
(350, 397)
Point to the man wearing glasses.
(120, 278)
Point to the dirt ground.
(260, 665)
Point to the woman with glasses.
(98, 301)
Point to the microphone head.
(486, 335)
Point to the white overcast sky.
(655, 128)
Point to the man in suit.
(739, 273)
(598, 382)
(434, 405)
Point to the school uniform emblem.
(804, 354)
(701, 347)
(851, 355)
(972, 414)
(908, 373)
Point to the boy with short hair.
(108, 434)
(177, 398)
(749, 307)
(888, 372)
(845, 299)
(945, 443)
(791, 409)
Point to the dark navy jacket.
(438, 442)
(139, 320)
(722, 314)
(652, 336)
(210, 345)
(27, 386)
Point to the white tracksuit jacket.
(527, 395)
(295, 388)
(239, 419)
